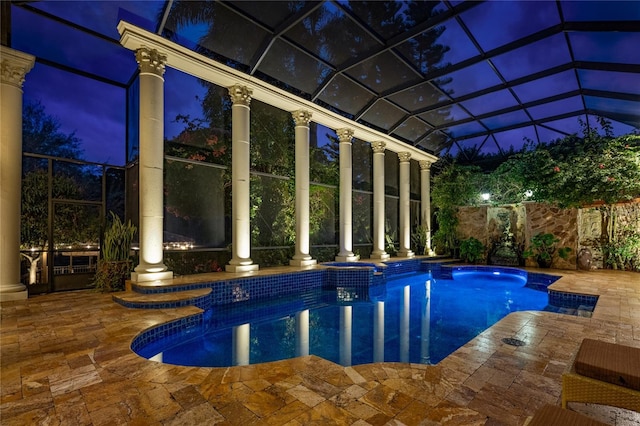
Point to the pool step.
(176, 299)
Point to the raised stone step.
(176, 299)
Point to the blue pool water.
(415, 319)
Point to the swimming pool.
(414, 318)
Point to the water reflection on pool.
(415, 318)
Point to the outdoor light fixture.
(485, 196)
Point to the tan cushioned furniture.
(550, 415)
(604, 373)
(609, 362)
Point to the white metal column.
(346, 214)
(302, 256)
(425, 200)
(240, 182)
(151, 165)
(378, 202)
(15, 65)
(405, 205)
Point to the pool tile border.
(364, 284)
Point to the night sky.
(99, 119)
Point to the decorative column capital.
(345, 134)
(240, 95)
(302, 117)
(151, 61)
(424, 164)
(378, 147)
(14, 66)
(404, 156)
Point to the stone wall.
(589, 234)
(577, 229)
(472, 222)
(592, 226)
(562, 223)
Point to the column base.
(381, 256)
(406, 253)
(137, 277)
(347, 258)
(13, 292)
(241, 268)
(303, 262)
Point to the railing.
(76, 269)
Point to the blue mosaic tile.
(165, 330)
(543, 279)
(265, 287)
(352, 276)
(244, 299)
(571, 300)
(376, 266)
(399, 267)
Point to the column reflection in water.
(302, 333)
(405, 312)
(378, 332)
(425, 328)
(241, 344)
(346, 315)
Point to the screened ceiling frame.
(88, 31)
(390, 46)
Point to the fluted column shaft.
(346, 214)
(302, 256)
(425, 200)
(14, 66)
(151, 165)
(240, 181)
(378, 202)
(405, 211)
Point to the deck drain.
(513, 342)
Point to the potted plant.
(471, 250)
(543, 247)
(114, 265)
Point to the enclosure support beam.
(378, 202)
(192, 63)
(405, 204)
(425, 201)
(240, 181)
(15, 65)
(151, 164)
(302, 256)
(346, 216)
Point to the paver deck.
(66, 360)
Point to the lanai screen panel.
(431, 74)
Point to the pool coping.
(333, 273)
